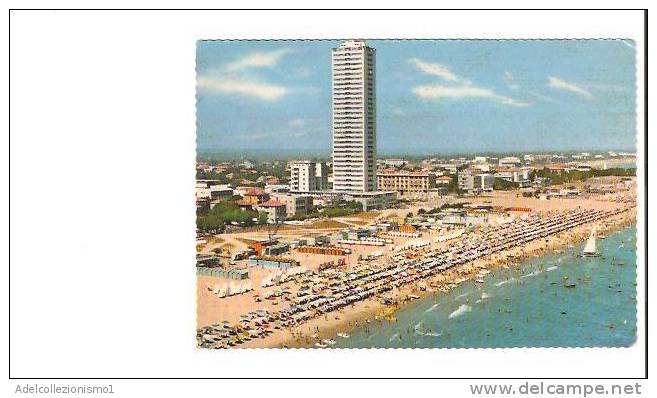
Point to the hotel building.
(406, 183)
(354, 117)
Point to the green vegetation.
(343, 208)
(235, 174)
(339, 209)
(212, 175)
(223, 213)
(500, 184)
(458, 205)
(557, 178)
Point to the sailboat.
(589, 248)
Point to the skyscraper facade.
(354, 117)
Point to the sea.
(628, 165)
(526, 306)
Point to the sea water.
(525, 306)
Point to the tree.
(500, 184)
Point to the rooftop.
(272, 203)
(391, 172)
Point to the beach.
(325, 326)
(530, 305)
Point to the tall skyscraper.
(354, 117)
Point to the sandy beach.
(327, 326)
(212, 310)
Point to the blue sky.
(433, 96)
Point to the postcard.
(364, 193)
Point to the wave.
(433, 307)
(394, 336)
(505, 282)
(531, 274)
(431, 334)
(460, 311)
(552, 268)
(460, 296)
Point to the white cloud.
(234, 78)
(559, 84)
(242, 86)
(297, 122)
(510, 80)
(258, 60)
(434, 69)
(458, 88)
(438, 92)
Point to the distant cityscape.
(298, 185)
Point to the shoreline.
(347, 319)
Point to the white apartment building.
(354, 117)
(308, 176)
(302, 176)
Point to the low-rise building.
(394, 162)
(510, 161)
(556, 168)
(483, 182)
(220, 192)
(276, 210)
(443, 181)
(295, 204)
(406, 183)
(253, 197)
(373, 200)
(277, 188)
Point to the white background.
(102, 149)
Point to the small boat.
(328, 342)
(479, 280)
(413, 297)
(343, 335)
(320, 345)
(570, 285)
(589, 248)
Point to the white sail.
(590, 244)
